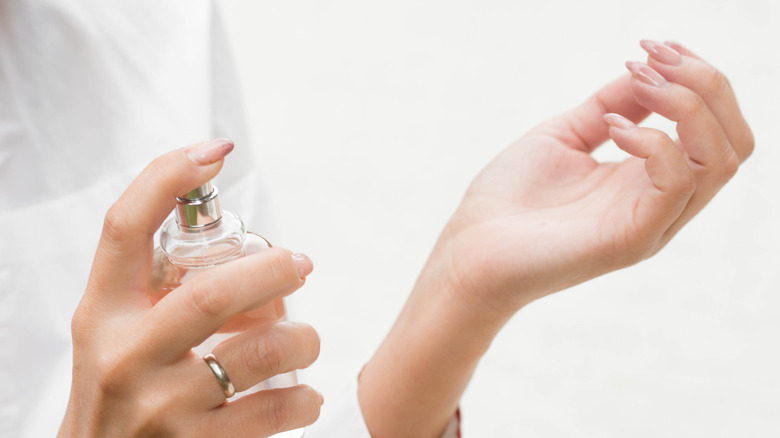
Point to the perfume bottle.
(199, 236)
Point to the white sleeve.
(341, 417)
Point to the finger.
(700, 133)
(263, 413)
(713, 159)
(191, 313)
(254, 356)
(673, 181)
(682, 50)
(582, 128)
(125, 247)
(709, 83)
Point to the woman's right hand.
(134, 373)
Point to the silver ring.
(221, 375)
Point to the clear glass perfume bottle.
(198, 237)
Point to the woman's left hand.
(544, 215)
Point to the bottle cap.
(199, 207)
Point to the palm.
(540, 172)
(543, 196)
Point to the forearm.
(413, 384)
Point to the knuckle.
(110, 373)
(281, 266)
(730, 165)
(686, 183)
(79, 326)
(266, 355)
(748, 142)
(115, 226)
(291, 408)
(655, 136)
(151, 412)
(311, 333)
(277, 414)
(311, 403)
(209, 303)
(163, 167)
(692, 105)
(81, 322)
(313, 340)
(715, 81)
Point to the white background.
(371, 118)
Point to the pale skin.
(134, 373)
(543, 216)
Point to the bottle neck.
(199, 208)
(205, 246)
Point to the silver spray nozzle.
(199, 207)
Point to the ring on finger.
(221, 375)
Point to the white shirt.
(90, 92)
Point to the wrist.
(471, 322)
(422, 367)
(468, 283)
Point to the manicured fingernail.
(661, 52)
(618, 121)
(305, 266)
(646, 74)
(210, 152)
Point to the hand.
(544, 215)
(134, 373)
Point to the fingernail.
(210, 152)
(661, 52)
(618, 121)
(305, 266)
(646, 74)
